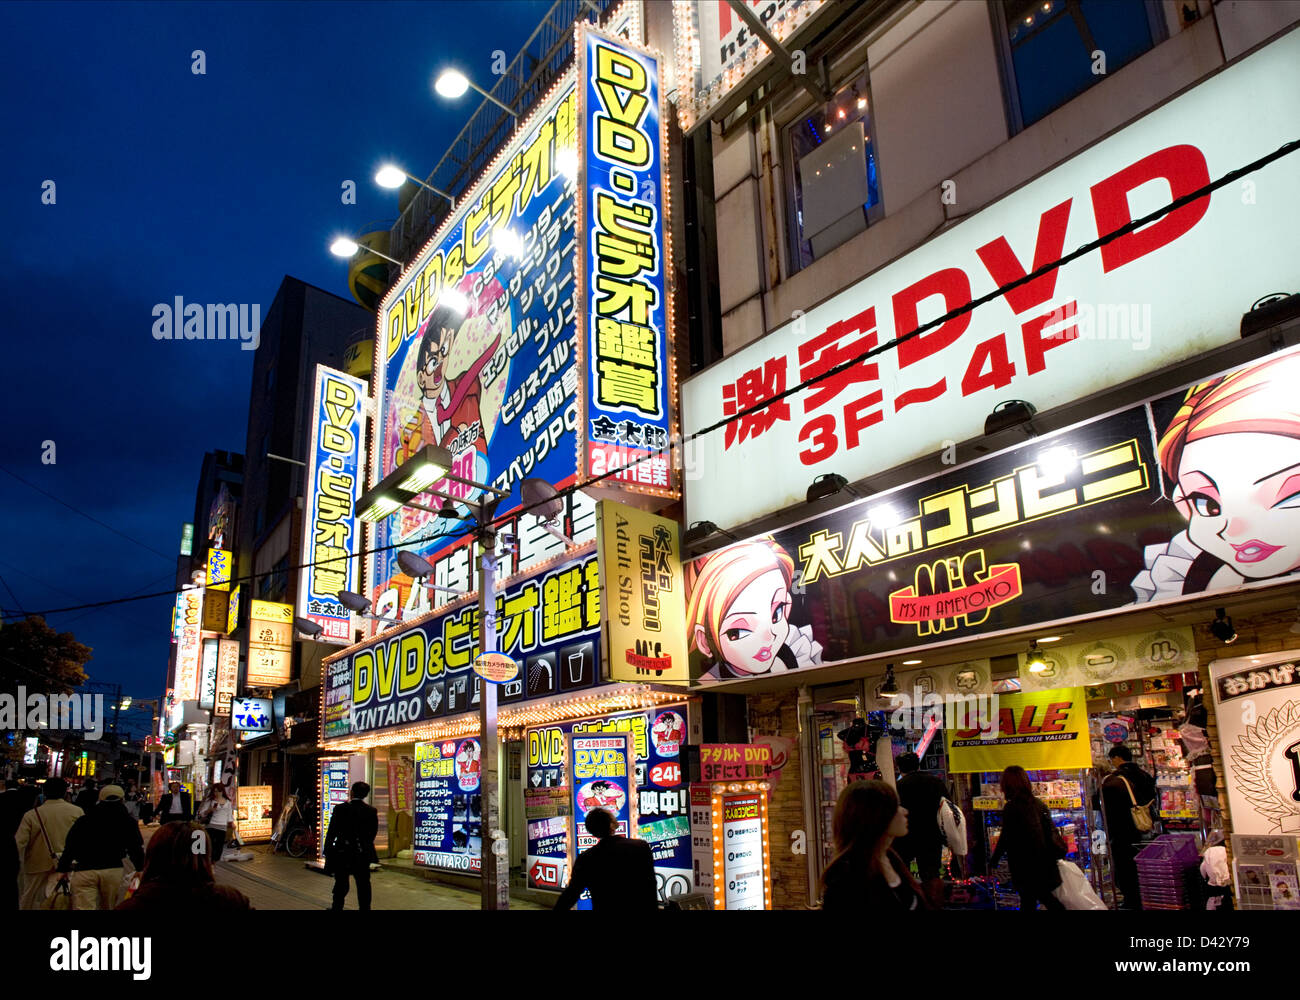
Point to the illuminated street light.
(391, 176)
(345, 247)
(452, 83)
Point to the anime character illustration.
(467, 765)
(601, 795)
(457, 405)
(738, 613)
(667, 733)
(1231, 459)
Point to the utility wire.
(88, 517)
(17, 603)
(1202, 192)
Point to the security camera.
(510, 541)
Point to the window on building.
(1059, 48)
(835, 191)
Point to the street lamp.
(391, 176)
(345, 247)
(452, 83)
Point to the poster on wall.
(644, 639)
(1257, 707)
(334, 789)
(448, 805)
(662, 806)
(626, 305)
(475, 351)
(1115, 314)
(548, 623)
(253, 813)
(1191, 493)
(334, 481)
(1037, 730)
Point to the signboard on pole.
(270, 644)
(334, 481)
(644, 636)
(208, 687)
(227, 674)
(188, 649)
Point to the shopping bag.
(953, 824)
(1075, 892)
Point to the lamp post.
(345, 247)
(399, 489)
(391, 176)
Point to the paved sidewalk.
(277, 882)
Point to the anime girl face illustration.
(739, 613)
(1232, 457)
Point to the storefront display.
(334, 790)
(448, 805)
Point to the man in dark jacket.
(350, 846)
(920, 794)
(618, 871)
(96, 844)
(175, 804)
(87, 797)
(1125, 837)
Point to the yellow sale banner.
(1039, 730)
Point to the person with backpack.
(1127, 797)
(921, 795)
(350, 846)
(41, 837)
(1030, 842)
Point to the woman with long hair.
(866, 873)
(176, 877)
(1030, 843)
(216, 812)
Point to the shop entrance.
(836, 754)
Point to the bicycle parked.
(295, 831)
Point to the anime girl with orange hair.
(1231, 457)
(739, 613)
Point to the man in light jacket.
(42, 830)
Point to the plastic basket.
(1177, 850)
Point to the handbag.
(1141, 814)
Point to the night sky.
(168, 183)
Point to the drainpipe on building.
(812, 829)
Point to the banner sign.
(270, 644)
(1191, 493)
(1113, 659)
(251, 715)
(208, 684)
(1038, 730)
(1111, 315)
(717, 51)
(330, 537)
(335, 788)
(735, 762)
(1257, 705)
(188, 649)
(178, 617)
(253, 813)
(549, 623)
(219, 566)
(216, 610)
(626, 299)
(227, 675)
(401, 784)
(232, 612)
(476, 341)
(662, 809)
(448, 805)
(644, 638)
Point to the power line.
(1284, 150)
(88, 517)
(17, 603)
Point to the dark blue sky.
(210, 187)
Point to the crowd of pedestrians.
(89, 853)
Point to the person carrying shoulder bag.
(41, 837)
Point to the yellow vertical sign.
(642, 594)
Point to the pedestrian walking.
(350, 846)
(15, 802)
(132, 800)
(1128, 792)
(41, 837)
(96, 845)
(175, 804)
(920, 794)
(1030, 843)
(215, 813)
(867, 875)
(87, 797)
(178, 880)
(619, 872)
